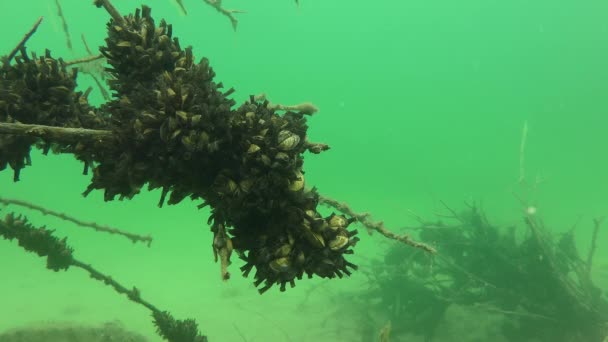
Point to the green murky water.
(421, 102)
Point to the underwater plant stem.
(57, 134)
(375, 225)
(25, 39)
(597, 222)
(133, 237)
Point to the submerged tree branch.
(57, 134)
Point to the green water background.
(421, 102)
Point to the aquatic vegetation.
(540, 282)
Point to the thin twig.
(305, 108)
(217, 4)
(27, 36)
(86, 46)
(93, 67)
(597, 222)
(378, 226)
(430, 226)
(310, 291)
(84, 60)
(133, 294)
(490, 308)
(57, 134)
(471, 276)
(107, 5)
(238, 331)
(522, 153)
(265, 318)
(133, 237)
(64, 25)
(576, 223)
(566, 283)
(104, 92)
(454, 213)
(164, 321)
(181, 6)
(417, 217)
(521, 201)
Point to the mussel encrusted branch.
(367, 222)
(41, 92)
(174, 129)
(59, 257)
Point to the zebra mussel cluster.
(177, 131)
(38, 90)
(314, 246)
